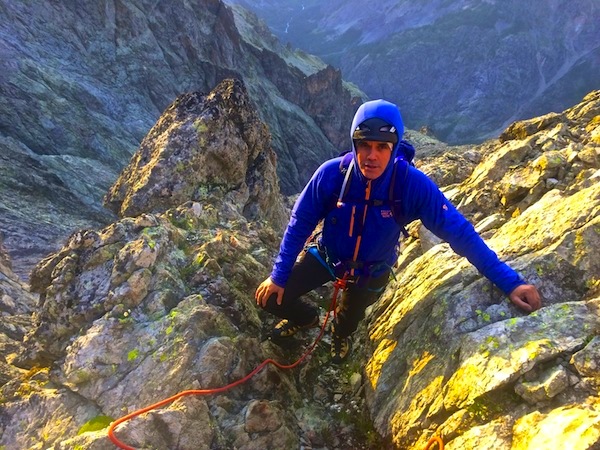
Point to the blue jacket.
(420, 199)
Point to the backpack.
(404, 159)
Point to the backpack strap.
(406, 151)
(395, 191)
(348, 157)
(346, 184)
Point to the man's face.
(373, 157)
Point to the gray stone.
(490, 223)
(587, 360)
(87, 81)
(151, 306)
(551, 383)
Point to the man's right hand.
(265, 290)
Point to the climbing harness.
(339, 283)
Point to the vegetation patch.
(493, 404)
(96, 424)
(133, 354)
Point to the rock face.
(16, 307)
(548, 153)
(159, 303)
(202, 146)
(81, 83)
(448, 355)
(465, 68)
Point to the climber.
(361, 230)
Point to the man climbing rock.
(365, 199)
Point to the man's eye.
(382, 146)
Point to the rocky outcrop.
(83, 82)
(151, 306)
(553, 152)
(448, 355)
(203, 146)
(5, 264)
(162, 302)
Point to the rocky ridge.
(202, 146)
(448, 355)
(163, 302)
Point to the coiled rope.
(338, 284)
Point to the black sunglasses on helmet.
(375, 130)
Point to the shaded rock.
(174, 425)
(5, 264)
(587, 360)
(263, 416)
(149, 307)
(490, 223)
(83, 83)
(450, 167)
(427, 239)
(16, 308)
(137, 303)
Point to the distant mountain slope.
(464, 68)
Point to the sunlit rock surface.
(449, 355)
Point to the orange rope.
(339, 284)
(435, 440)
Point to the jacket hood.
(383, 110)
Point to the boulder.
(203, 146)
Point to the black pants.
(309, 273)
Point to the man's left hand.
(526, 297)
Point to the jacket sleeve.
(423, 200)
(309, 209)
